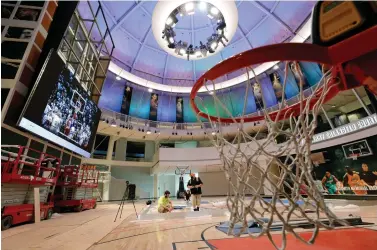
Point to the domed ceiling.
(137, 51)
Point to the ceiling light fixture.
(214, 11)
(189, 6)
(118, 78)
(181, 48)
(203, 6)
(148, 132)
(214, 45)
(150, 90)
(276, 67)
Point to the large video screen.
(60, 110)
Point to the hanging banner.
(126, 102)
(258, 95)
(293, 68)
(153, 107)
(277, 86)
(179, 109)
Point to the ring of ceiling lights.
(195, 51)
(301, 36)
(164, 9)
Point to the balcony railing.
(116, 118)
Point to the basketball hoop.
(247, 161)
(354, 156)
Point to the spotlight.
(213, 133)
(150, 90)
(189, 6)
(276, 67)
(214, 45)
(171, 21)
(148, 132)
(203, 6)
(118, 78)
(214, 11)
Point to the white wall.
(166, 182)
(135, 175)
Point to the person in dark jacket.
(195, 185)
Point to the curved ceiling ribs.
(167, 70)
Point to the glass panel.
(33, 3)
(13, 50)
(64, 49)
(73, 24)
(27, 14)
(36, 146)
(65, 159)
(9, 70)
(21, 33)
(74, 62)
(6, 11)
(78, 48)
(10, 138)
(75, 161)
(53, 152)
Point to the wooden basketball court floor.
(96, 229)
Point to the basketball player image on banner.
(277, 86)
(153, 107)
(293, 66)
(126, 101)
(179, 109)
(258, 95)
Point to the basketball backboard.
(181, 170)
(359, 148)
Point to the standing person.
(164, 203)
(329, 183)
(369, 178)
(195, 185)
(354, 182)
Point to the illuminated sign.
(346, 129)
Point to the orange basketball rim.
(355, 56)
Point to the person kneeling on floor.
(164, 203)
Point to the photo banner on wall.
(257, 91)
(277, 86)
(296, 74)
(179, 109)
(126, 102)
(153, 107)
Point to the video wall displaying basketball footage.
(60, 110)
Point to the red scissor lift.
(20, 173)
(74, 189)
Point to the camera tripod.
(121, 205)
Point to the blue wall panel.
(188, 114)
(268, 91)
(112, 94)
(291, 88)
(312, 72)
(166, 111)
(140, 103)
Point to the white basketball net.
(248, 164)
